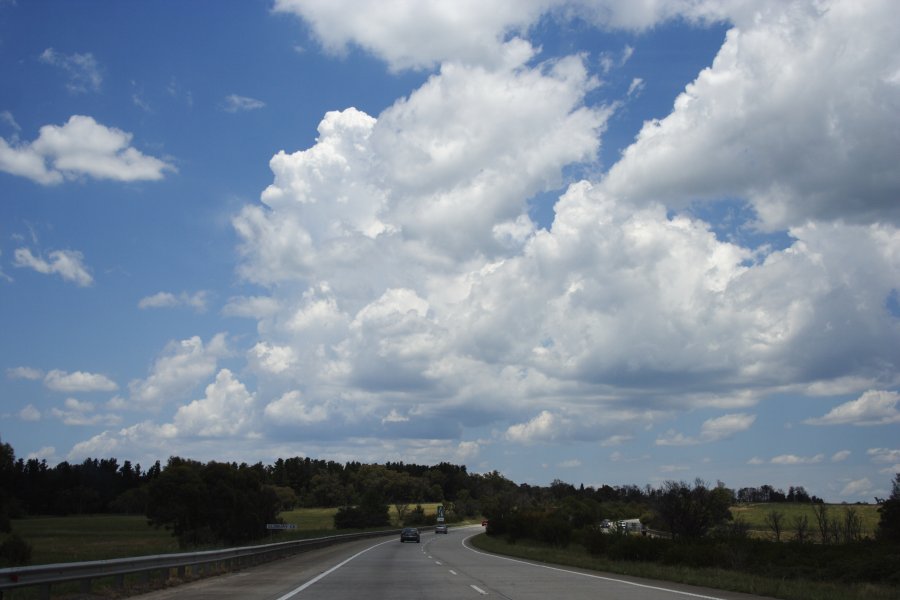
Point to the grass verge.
(96, 537)
(796, 589)
(102, 537)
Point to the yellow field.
(754, 515)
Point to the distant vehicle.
(409, 534)
(605, 524)
(630, 526)
(440, 528)
(484, 523)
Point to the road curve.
(442, 567)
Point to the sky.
(608, 242)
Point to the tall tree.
(889, 514)
(692, 512)
(7, 478)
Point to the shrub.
(596, 541)
(636, 548)
(554, 530)
(519, 525)
(14, 552)
(415, 517)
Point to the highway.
(441, 567)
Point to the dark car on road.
(440, 528)
(409, 534)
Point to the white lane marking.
(478, 589)
(640, 585)
(438, 563)
(320, 576)
(452, 572)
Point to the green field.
(754, 515)
(100, 537)
(69, 539)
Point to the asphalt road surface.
(441, 567)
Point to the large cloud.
(410, 34)
(799, 113)
(409, 287)
(410, 297)
(446, 171)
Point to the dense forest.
(32, 487)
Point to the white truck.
(630, 526)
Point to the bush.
(636, 548)
(371, 512)
(14, 552)
(596, 541)
(519, 525)
(349, 517)
(416, 517)
(554, 530)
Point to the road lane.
(518, 579)
(267, 581)
(442, 567)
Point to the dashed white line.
(478, 589)
(591, 576)
(452, 572)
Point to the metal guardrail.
(44, 576)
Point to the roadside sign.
(440, 513)
(280, 526)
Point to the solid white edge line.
(640, 585)
(321, 576)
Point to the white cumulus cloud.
(182, 366)
(773, 117)
(291, 408)
(78, 381)
(226, 409)
(80, 147)
(874, 407)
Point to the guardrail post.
(85, 586)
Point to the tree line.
(230, 503)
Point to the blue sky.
(607, 242)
